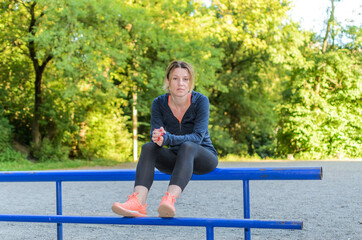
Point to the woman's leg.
(191, 159)
(144, 172)
(136, 205)
(153, 156)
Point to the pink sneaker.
(167, 208)
(131, 208)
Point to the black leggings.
(190, 158)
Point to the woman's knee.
(205, 162)
(206, 167)
(187, 146)
(149, 147)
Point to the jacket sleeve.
(200, 128)
(156, 116)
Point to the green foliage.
(322, 107)
(154, 43)
(6, 133)
(51, 151)
(272, 90)
(106, 137)
(7, 153)
(10, 155)
(26, 165)
(85, 41)
(254, 45)
(224, 143)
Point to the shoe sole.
(166, 211)
(126, 212)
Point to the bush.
(106, 137)
(224, 143)
(51, 151)
(6, 131)
(10, 155)
(7, 153)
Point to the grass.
(26, 165)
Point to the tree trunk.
(37, 103)
(35, 131)
(325, 42)
(52, 130)
(39, 70)
(330, 21)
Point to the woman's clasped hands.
(157, 135)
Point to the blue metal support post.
(209, 233)
(246, 198)
(59, 209)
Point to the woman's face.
(179, 82)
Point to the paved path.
(330, 209)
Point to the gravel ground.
(330, 209)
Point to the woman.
(179, 119)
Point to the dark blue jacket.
(194, 124)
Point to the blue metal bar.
(59, 209)
(301, 173)
(245, 174)
(209, 233)
(154, 221)
(246, 199)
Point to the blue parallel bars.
(244, 174)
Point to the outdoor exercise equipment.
(219, 174)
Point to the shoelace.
(173, 198)
(134, 196)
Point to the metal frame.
(244, 174)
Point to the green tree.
(72, 72)
(162, 32)
(71, 47)
(320, 115)
(257, 41)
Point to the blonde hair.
(180, 64)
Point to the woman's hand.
(157, 136)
